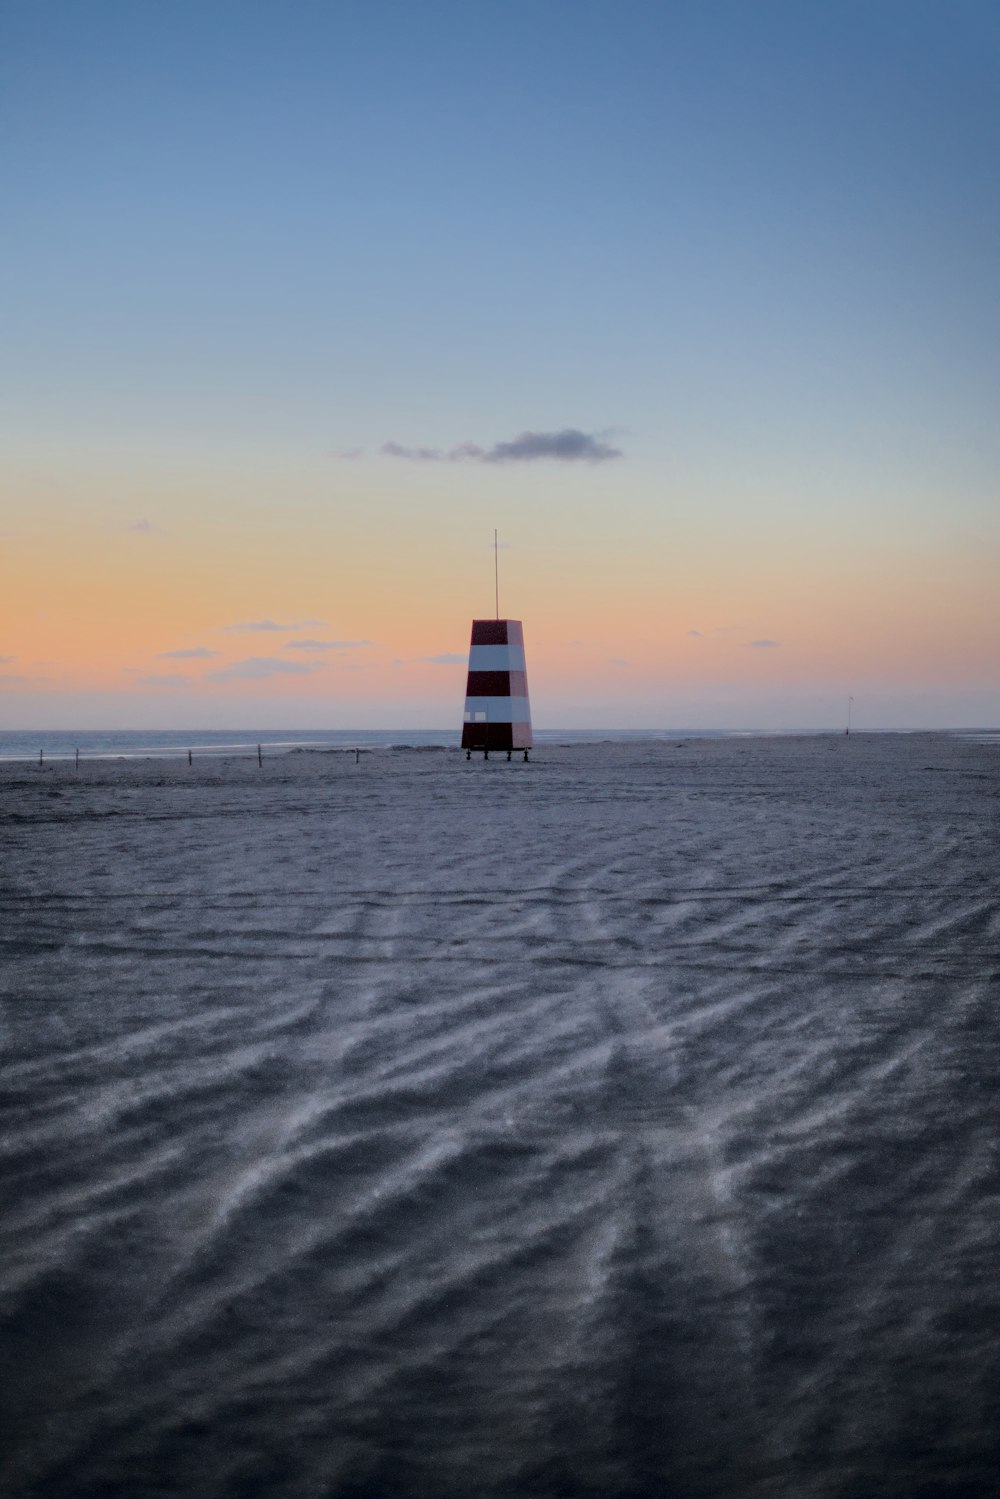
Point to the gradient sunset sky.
(698, 303)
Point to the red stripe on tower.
(491, 631)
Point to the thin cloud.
(443, 658)
(12, 676)
(349, 455)
(143, 528)
(6, 660)
(196, 653)
(695, 634)
(166, 679)
(763, 645)
(257, 668)
(423, 455)
(568, 445)
(617, 661)
(265, 626)
(326, 645)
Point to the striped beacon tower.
(497, 711)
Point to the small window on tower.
(480, 718)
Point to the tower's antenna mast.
(496, 571)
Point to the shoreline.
(57, 746)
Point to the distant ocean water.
(116, 744)
(62, 744)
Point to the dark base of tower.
(496, 736)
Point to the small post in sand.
(260, 757)
(850, 703)
(78, 757)
(189, 757)
(41, 758)
(357, 757)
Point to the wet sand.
(623, 1124)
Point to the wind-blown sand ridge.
(619, 1124)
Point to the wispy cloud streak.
(568, 445)
(326, 645)
(271, 626)
(258, 668)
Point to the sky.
(697, 303)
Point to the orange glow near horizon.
(623, 607)
(86, 609)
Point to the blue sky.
(752, 246)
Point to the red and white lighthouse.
(497, 711)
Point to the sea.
(130, 744)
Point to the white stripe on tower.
(496, 658)
(497, 710)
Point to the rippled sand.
(623, 1124)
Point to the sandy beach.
(619, 1125)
